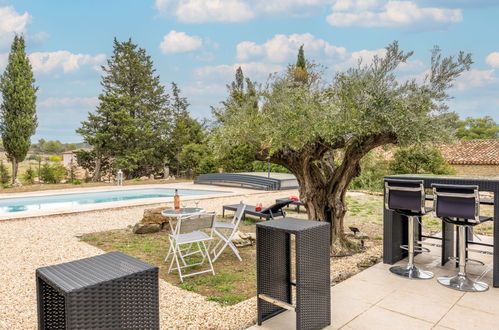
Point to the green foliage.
(242, 92)
(321, 130)
(133, 120)
(186, 130)
(419, 159)
(300, 61)
(18, 108)
(55, 147)
(76, 182)
(371, 175)
(477, 129)
(55, 159)
(365, 106)
(52, 173)
(197, 158)
(260, 166)
(29, 176)
(236, 159)
(4, 174)
(88, 161)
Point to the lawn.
(235, 281)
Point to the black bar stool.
(459, 205)
(407, 197)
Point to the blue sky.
(199, 43)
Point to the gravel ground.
(36, 242)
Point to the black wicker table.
(395, 230)
(109, 291)
(274, 274)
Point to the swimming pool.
(45, 202)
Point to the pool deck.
(376, 299)
(224, 192)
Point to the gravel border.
(27, 244)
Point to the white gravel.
(36, 242)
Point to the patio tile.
(383, 319)
(460, 317)
(345, 309)
(484, 301)
(418, 305)
(432, 290)
(362, 290)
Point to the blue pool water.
(19, 204)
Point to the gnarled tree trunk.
(323, 185)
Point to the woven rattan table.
(109, 291)
(274, 273)
(395, 230)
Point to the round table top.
(184, 211)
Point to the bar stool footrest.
(417, 248)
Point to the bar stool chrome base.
(411, 271)
(463, 283)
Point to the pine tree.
(240, 90)
(133, 120)
(186, 130)
(18, 109)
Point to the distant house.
(68, 157)
(473, 157)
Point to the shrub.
(52, 173)
(259, 166)
(29, 176)
(419, 159)
(55, 159)
(76, 181)
(371, 175)
(4, 174)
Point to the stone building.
(473, 157)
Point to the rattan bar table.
(109, 291)
(274, 273)
(395, 230)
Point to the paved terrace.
(377, 299)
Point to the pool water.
(8, 205)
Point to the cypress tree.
(18, 109)
(300, 61)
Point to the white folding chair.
(189, 231)
(226, 231)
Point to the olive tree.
(320, 130)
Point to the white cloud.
(493, 59)
(199, 88)
(11, 22)
(232, 11)
(179, 42)
(283, 48)
(382, 13)
(475, 78)
(254, 70)
(45, 62)
(358, 5)
(53, 102)
(202, 11)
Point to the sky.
(199, 44)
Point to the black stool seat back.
(456, 201)
(405, 195)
